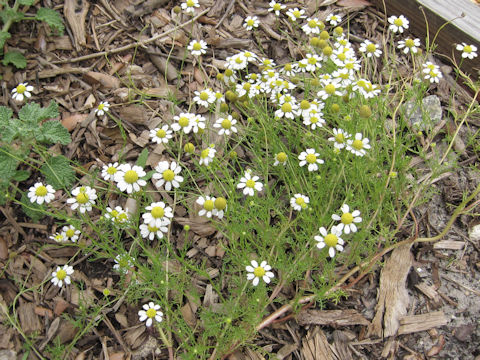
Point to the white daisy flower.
(158, 214)
(148, 231)
(197, 48)
(331, 239)
(295, 14)
(251, 22)
(398, 23)
(198, 124)
(62, 275)
(129, 178)
(226, 125)
(123, 263)
(299, 202)
(40, 193)
(370, 49)
(468, 51)
(84, 198)
(267, 63)
(229, 76)
(333, 19)
(314, 62)
(280, 159)
(70, 233)
(331, 87)
(276, 7)
(183, 122)
(409, 45)
(339, 138)
(204, 98)
(312, 26)
(207, 155)
(151, 311)
(161, 135)
(189, 6)
(58, 237)
(236, 62)
(220, 205)
(22, 91)
(358, 145)
(249, 184)
(310, 157)
(109, 171)
(288, 110)
(117, 215)
(257, 272)
(208, 204)
(168, 175)
(102, 108)
(347, 219)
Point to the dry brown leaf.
(3, 248)
(117, 355)
(135, 337)
(357, 4)
(105, 80)
(392, 296)
(66, 331)
(134, 114)
(29, 321)
(199, 225)
(70, 122)
(331, 317)
(188, 315)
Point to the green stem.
(10, 20)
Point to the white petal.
(331, 252)
(250, 276)
(345, 208)
(249, 268)
(254, 263)
(321, 245)
(255, 281)
(266, 279)
(149, 322)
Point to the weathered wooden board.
(464, 27)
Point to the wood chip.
(286, 350)
(449, 244)
(416, 323)
(315, 346)
(331, 317)
(393, 297)
(429, 291)
(3, 249)
(29, 321)
(105, 80)
(341, 341)
(134, 114)
(75, 12)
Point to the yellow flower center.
(70, 232)
(398, 22)
(208, 205)
(123, 217)
(297, 13)
(330, 89)
(313, 119)
(340, 138)
(347, 218)
(287, 67)
(41, 191)
(299, 201)
(111, 170)
(277, 7)
(158, 212)
(183, 121)
(61, 274)
(220, 203)
(250, 22)
(357, 144)
(331, 240)
(259, 271)
(341, 56)
(152, 228)
(226, 124)
(312, 24)
(130, 176)
(282, 157)
(114, 213)
(203, 96)
(151, 313)
(197, 46)
(59, 238)
(82, 198)
(161, 133)
(371, 48)
(21, 89)
(311, 158)
(312, 60)
(409, 43)
(190, 3)
(101, 106)
(250, 183)
(204, 153)
(286, 107)
(229, 72)
(168, 175)
(468, 49)
(304, 105)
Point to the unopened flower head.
(83, 198)
(330, 239)
(220, 206)
(102, 108)
(159, 214)
(299, 202)
(347, 219)
(468, 51)
(109, 171)
(310, 158)
(167, 175)
(249, 184)
(22, 91)
(150, 312)
(62, 275)
(197, 47)
(398, 23)
(358, 145)
(161, 135)
(129, 178)
(251, 22)
(40, 193)
(257, 272)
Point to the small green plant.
(22, 142)
(13, 14)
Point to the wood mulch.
(423, 303)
